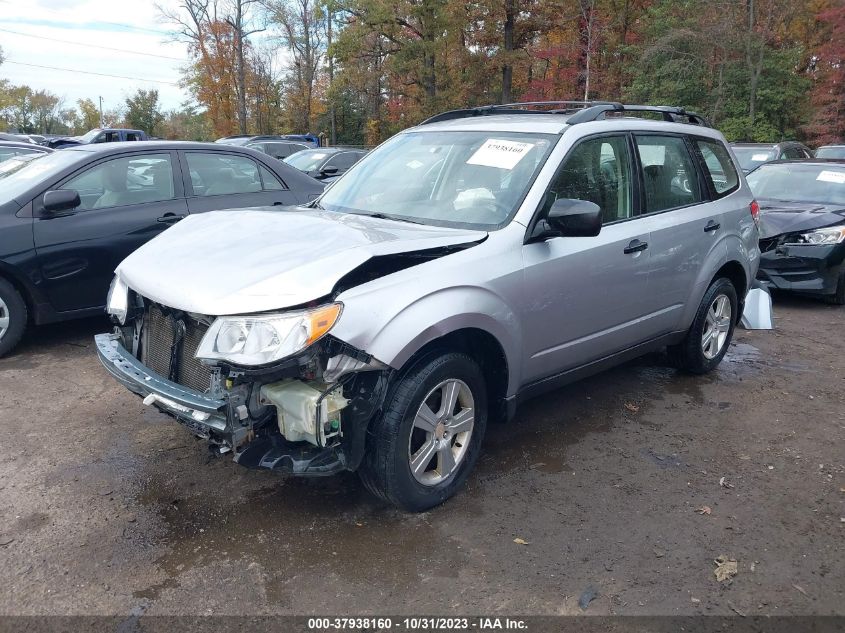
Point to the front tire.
(12, 317)
(710, 334)
(428, 439)
(838, 297)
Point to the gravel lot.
(108, 507)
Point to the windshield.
(800, 182)
(20, 173)
(307, 160)
(751, 157)
(89, 136)
(461, 179)
(831, 152)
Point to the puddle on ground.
(295, 526)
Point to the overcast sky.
(129, 25)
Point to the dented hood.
(778, 217)
(254, 260)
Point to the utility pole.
(102, 123)
(332, 116)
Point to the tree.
(89, 115)
(142, 110)
(827, 124)
(302, 30)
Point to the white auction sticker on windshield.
(499, 153)
(832, 176)
(760, 157)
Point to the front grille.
(160, 333)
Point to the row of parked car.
(467, 264)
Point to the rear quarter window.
(719, 168)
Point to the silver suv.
(479, 259)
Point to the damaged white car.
(479, 259)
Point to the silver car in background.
(479, 259)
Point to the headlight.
(117, 301)
(262, 339)
(829, 235)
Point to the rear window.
(720, 167)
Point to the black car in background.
(802, 226)
(277, 149)
(67, 218)
(831, 151)
(326, 163)
(10, 149)
(752, 155)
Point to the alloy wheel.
(4, 318)
(717, 325)
(441, 433)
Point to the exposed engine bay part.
(757, 314)
(308, 412)
(342, 364)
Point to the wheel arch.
(485, 349)
(7, 273)
(734, 272)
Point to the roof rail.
(670, 114)
(580, 111)
(562, 107)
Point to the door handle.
(278, 204)
(169, 218)
(712, 226)
(635, 246)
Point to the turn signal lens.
(321, 321)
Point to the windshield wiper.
(387, 216)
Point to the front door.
(588, 296)
(125, 202)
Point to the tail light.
(755, 212)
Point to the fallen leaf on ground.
(631, 407)
(695, 600)
(704, 510)
(802, 590)
(726, 568)
(725, 484)
(519, 541)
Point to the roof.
(121, 146)
(557, 123)
(23, 145)
(838, 162)
(770, 145)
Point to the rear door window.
(669, 176)
(719, 166)
(214, 174)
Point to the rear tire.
(12, 317)
(710, 334)
(424, 445)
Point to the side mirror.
(574, 218)
(61, 200)
(328, 171)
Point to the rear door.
(125, 201)
(589, 296)
(220, 180)
(684, 225)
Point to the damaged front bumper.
(221, 420)
(811, 269)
